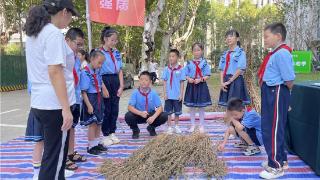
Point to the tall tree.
(150, 28)
(172, 29)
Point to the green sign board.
(302, 61)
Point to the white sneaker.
(35, 177)
(192, 128)
(202, 130)
(285, 166)
(251, 150)
(271, 173)
(36, 174)
(68, 173)
(231, 137)
(177, 129)
(114, 138)
(170, 130)
(107, 141)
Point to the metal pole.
(88, 25)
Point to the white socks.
(36, 168)
(93, 143)
(201, 116)
(97, 141)
(193, 116)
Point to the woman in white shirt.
(52, 88)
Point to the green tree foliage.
(248, 20)
(211, 15)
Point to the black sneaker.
(135, 134)
(94, 151)
(102, 148)
(151, 131)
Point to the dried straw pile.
(166, 156)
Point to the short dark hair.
(94, 53)
(200, 45)
(145, 73)
(235, 104)
(73, 33)
(175, 51)
(276, 28)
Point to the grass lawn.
(305, 77)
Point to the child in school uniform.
(276, 76)
(112, 77)
(74, 42)
(92, 110)
(232, 66)
(145, 107)
(34, 133)
(197, 92)
(173, 87)
(84, 58)
(246, 123)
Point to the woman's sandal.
(71, 165)
(76, 157)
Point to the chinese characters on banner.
(120, 12)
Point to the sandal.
(76, 157)
(71, 165)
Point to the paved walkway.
(15, 108)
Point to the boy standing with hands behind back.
(276, 75)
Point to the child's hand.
(180, 98)
(165, 97)
(105, 93)
(90, 109)
(221, 147)
(223, 87)
(144, 114)
(197, 81)
(150, 120)
(120, 91)
(190, 80)
(227, 83)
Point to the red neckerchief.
(198, 70)
(96, 85)
(146, 96)
(112, 58)
(249, 108)
(75, 75)
(266, 60)
(172, 71)
(227, 63)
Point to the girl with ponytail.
(232, 65)
(112, 77)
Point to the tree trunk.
(150, 28)
(164, 49)
(167, 35)
(19, 6)
(180, 41)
